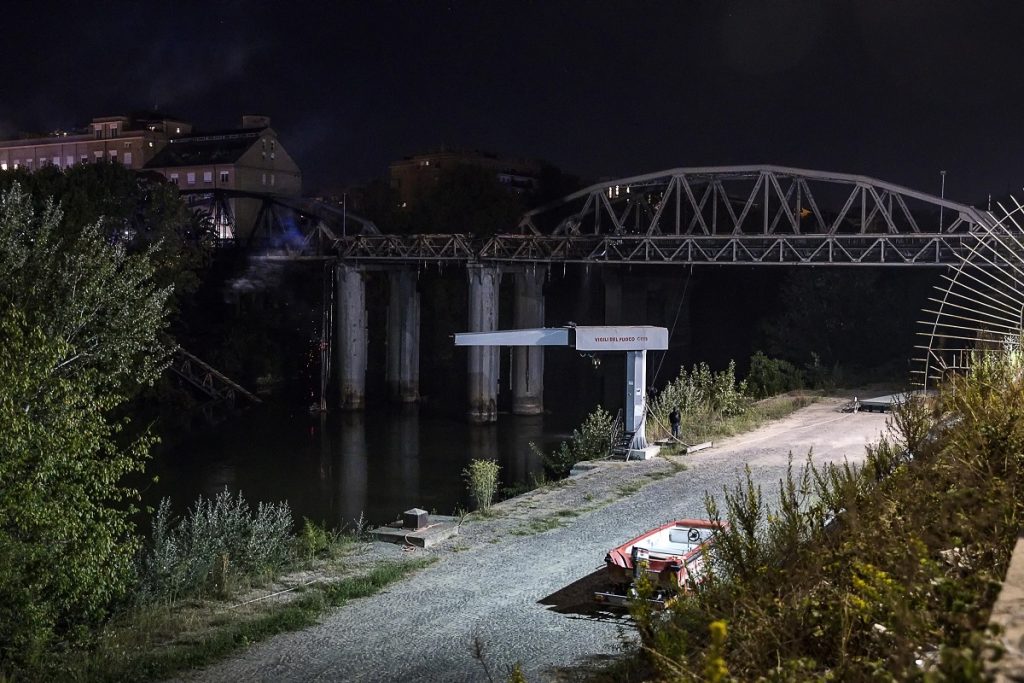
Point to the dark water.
(333, 469)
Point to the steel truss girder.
(911, 249)
(745, 200)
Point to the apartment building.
(249, 159)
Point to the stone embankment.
(515, 586)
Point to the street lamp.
(942, 195)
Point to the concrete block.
(439, 529)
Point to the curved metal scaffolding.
(980, 307)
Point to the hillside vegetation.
(887, 571)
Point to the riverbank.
(512, 586)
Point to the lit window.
(207, 176)
(113, 155)
(151, 144)
(174, 178)
(127, 145)
(113, 131)
(271, 155)
(56, 161)
(3, 165)
(190, 178)
(127, 158)
(177, 130)
(85, 158)
(224, 176)
(42, 162)
(69, 161)
(28, 164)
(98, 155)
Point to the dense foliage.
(142, 213)
(843, 324)
(218, 544)
(702, 397)
(79, 318)
(772, 376)
(886, 571)
(590, 441)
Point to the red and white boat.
(673, 556)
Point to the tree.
(143, 212)
(466, 199)
(79, 318)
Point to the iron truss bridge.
(709, 215)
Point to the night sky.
(897, 90)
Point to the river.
(335, 468)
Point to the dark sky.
(897, 90)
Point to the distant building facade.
(413, 176)
(247, 159)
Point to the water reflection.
(351, 454)
(334, 468)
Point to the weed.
(629, 488)
(857, 571)
(539, 525)
(482, 479)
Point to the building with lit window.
(249, 159)
(415, 175)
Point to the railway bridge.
(730, 215)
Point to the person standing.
(674, 419)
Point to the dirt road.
(520, 590)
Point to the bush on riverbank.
(704, 399)
(219, 544)
(887, 570)
(591, 441)
(482, 480)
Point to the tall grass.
(482, 480)
(217, 544)
(886, 571)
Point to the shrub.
(312, 541)
(885, 571)
(217, 543)
(772, 376)
(482, 480)
(79, 319)
(591, 441)
(701, 396)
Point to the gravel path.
(488, 583)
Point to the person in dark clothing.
(674, 419)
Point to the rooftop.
(222, 147)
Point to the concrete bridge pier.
(483, 360)
(403, 350)
(612, 278)
(351, 337)
(528, 361)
